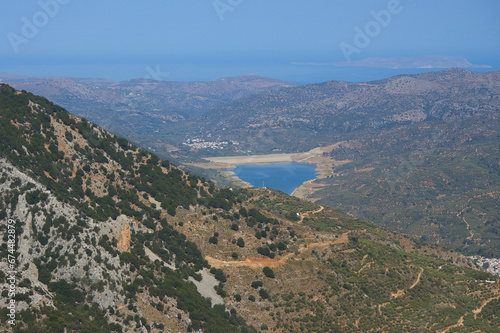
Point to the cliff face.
(36, 240)
(81, 227)
(112, 239)
(86, 255)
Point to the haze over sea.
(189, 72)
(285, 177)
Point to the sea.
(299, 74)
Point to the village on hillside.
(491, 265)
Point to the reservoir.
(285, 177)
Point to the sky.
(196, 40)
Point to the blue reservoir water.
(285, 177)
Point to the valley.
(414, 153)
(413, 135)
(233, 166)
(110, 237)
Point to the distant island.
(424, 62)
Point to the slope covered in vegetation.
(111, 238)
(417, 154)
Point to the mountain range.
(303, 117)
(418, 153)
(140, 106)
(110, 238)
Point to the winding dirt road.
(263, 262)
(302, 216)
(401, 292)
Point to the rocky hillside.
(303, 117)
(109, 238)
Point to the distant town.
(202, 144)
(491, 265)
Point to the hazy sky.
(195, 39)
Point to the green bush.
(263, 293)
(257, 284)
(264, 250)
(219, 275)
(281, 246)
(268, 272)
(44, 275)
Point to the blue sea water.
(300, 74)
(285, 177)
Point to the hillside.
(112, 239)
(437, 181)
(419, 153)
(303, 117)
(135, 108)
